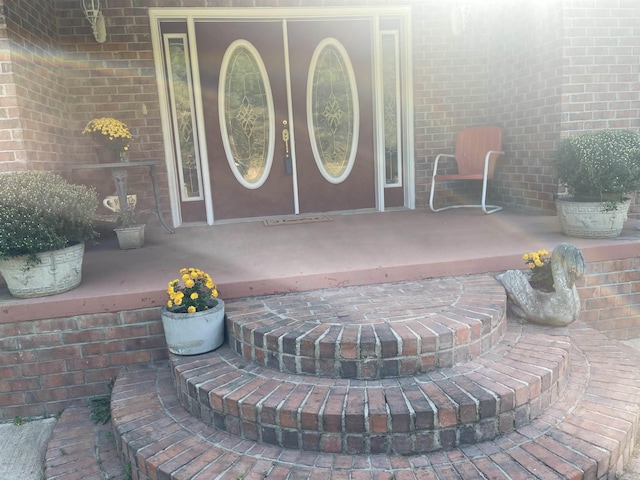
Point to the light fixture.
(93, 11)
(459, 17)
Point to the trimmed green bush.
(599, 166)
(40, 211)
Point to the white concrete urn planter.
(591, 219)
(194, 333)
(57, 271)
(130, 237)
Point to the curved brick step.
(81, 449)
(588, 433)
(469, 403)
(373, 331)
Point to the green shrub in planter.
(599, 166)
(40, 211)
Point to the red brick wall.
(600, 65)
(525, 87)
(534, 68)
(450, 76)
(34, 134)
(610, 297)
(600, 76)
(46, 365)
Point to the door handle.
(288, 168)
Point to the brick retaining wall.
(46, 365)
(610, 294)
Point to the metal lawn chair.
(477, 149)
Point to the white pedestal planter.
(57, 272)
(194, 333)
(591, 219)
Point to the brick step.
(371, 332)
(588, 433)
(465, 404)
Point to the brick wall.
(450, 75)
(528, 67)
(37, 103)
(525, 86)
(601, 67)
(46, 365)
(610, 297)
(113, 79)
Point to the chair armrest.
(435, 164)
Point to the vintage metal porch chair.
(476, 152)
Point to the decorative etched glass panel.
(332, 110)
(391, 91)
(183, 117)
(246, 112)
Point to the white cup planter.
(194, 333)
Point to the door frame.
(192, 15)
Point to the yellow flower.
(525, 256)
(109, 132)
(169, 304)
(538, 263)
(196, 286)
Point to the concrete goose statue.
(556, 309)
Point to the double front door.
(284, 115)
(288, 115)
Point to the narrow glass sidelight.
(183, 116)
(246, 114)
(332, 110)
(392, 103)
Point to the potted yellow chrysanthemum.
(193, 318)
(111, 134)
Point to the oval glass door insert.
(332, 110)
(246, 110)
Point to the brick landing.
(587, 433)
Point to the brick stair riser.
(470, 403)
(587, 433)
(394, 331)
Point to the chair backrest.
(472, 145)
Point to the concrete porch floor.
(249, 258)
